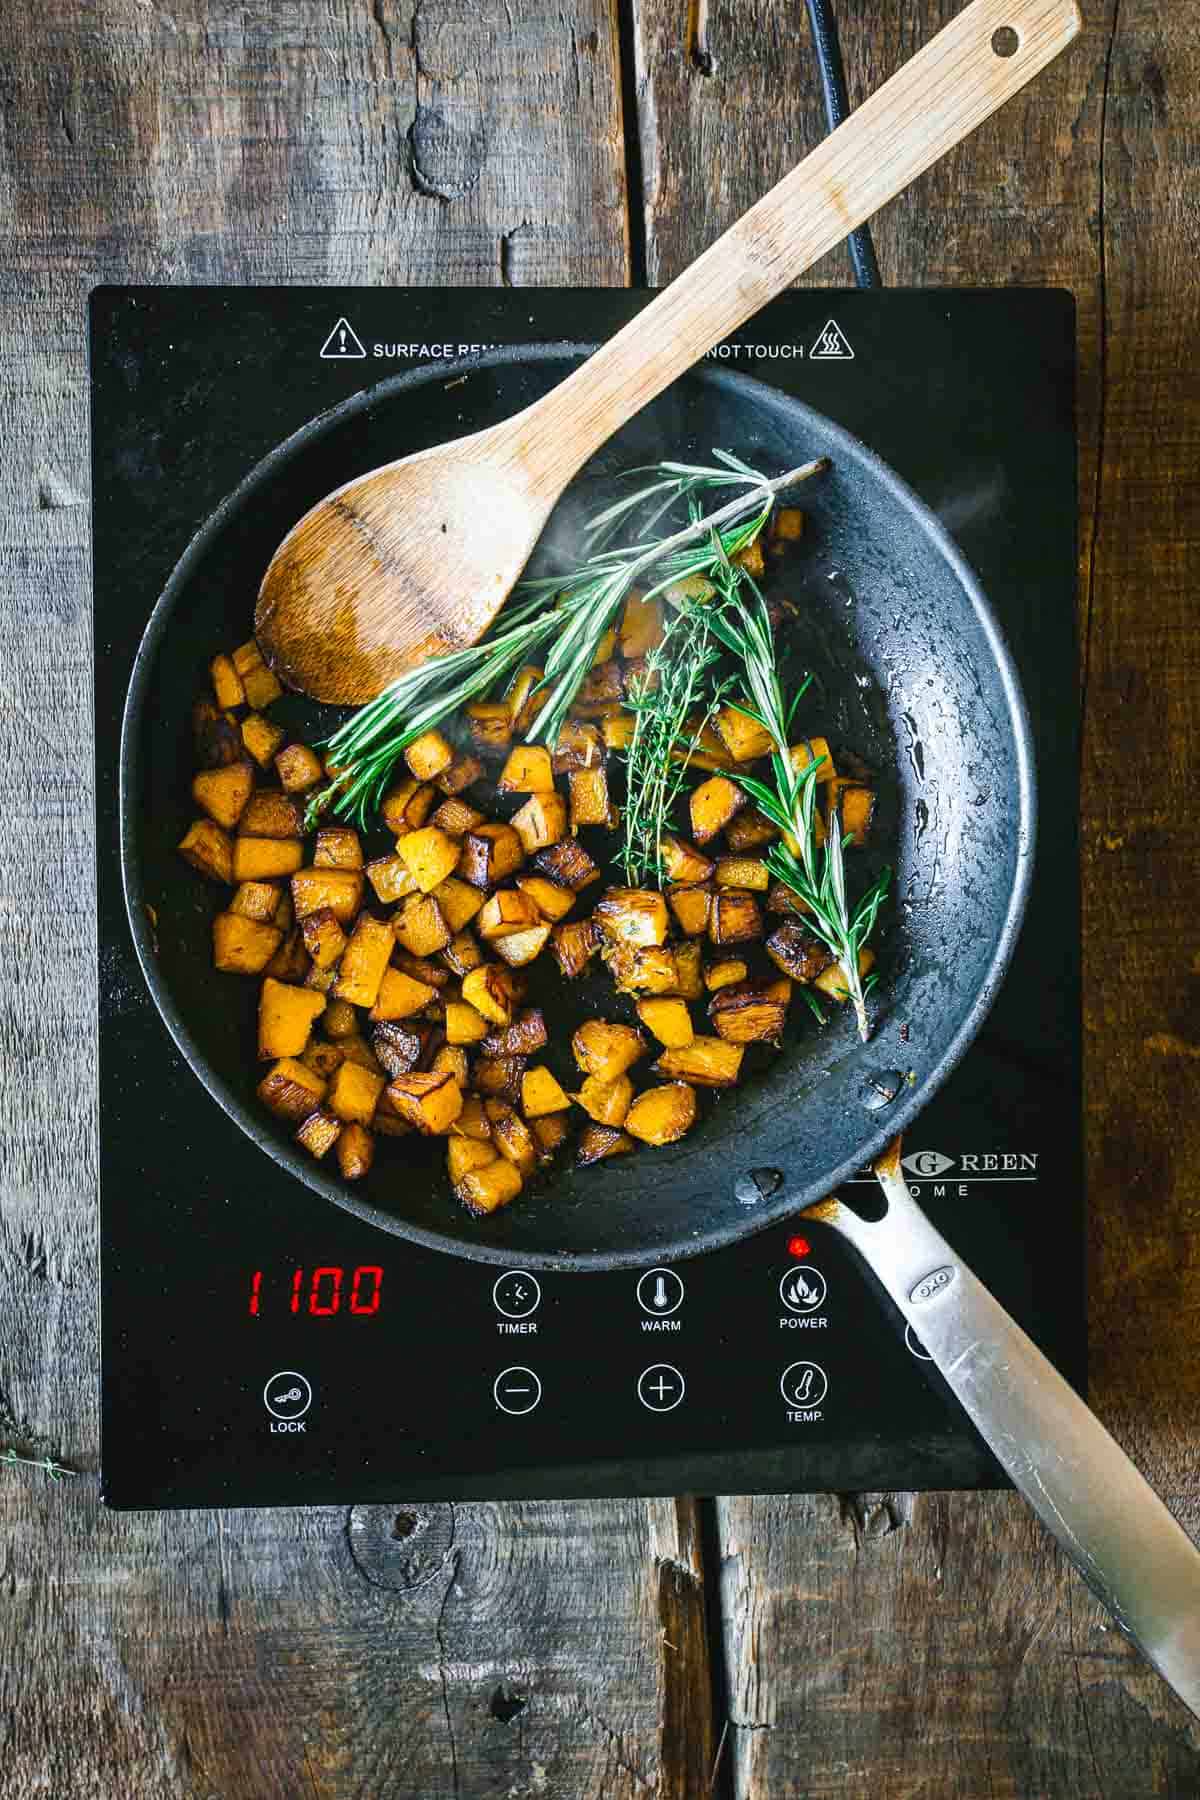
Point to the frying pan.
(911, 672)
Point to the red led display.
(799, 1247)
(319, 1293)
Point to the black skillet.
(911, 673)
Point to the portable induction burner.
(261, 1346)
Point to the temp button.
(288, 1395)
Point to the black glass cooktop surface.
(260, 1346)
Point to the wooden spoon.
(416, 557)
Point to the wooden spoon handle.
(938, 98)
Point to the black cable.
(833, 85)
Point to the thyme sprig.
(47, 1464)
(570, 611)
(815, 874)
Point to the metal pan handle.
(1129, 1549)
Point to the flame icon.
(799, 1292)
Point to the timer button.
(516, 1295)
(288, 1395)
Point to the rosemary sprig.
(570, 611)
(816, 876)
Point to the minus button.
(516, 1390)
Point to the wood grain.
(937, 1644)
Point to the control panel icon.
(517, 1391)
(660, 1388)
(287, 1395)
(803, 1289)
(516, 1295)
(804, 1384)
(659, 1292)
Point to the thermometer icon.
(661, 1297)
(660, 1291)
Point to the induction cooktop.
(259, 1345)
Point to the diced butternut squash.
(662, 1115)
(750, 557)
(705, 1062)
(401, 996)
(428, 755)
(227, 683)
(324, 938)
(319, 1132)
(523, 1037)
(522, 700)
(242, 946)
(633, 916)
(855, 803)
(490, 724)
(485, 1190)
(810, 750)
(208, 849)
(527, 771)
(553, 902)
(290, 962)
(429, 1101)
(462, 953)
(269, 813)
(463, 1024)
(388, 1121)
(324, 1058)
(618, 735)
(261, 738)
(599, 1141)
(751, 1012)
(669, 1020)
(354, 1093)
(459, 901)
(464, 1155)
(590, 804)
(452, 1059)
(691, 902)
(541, 1093)
(641, 627)
(786, 527)
(355, 1152)
(507, 911)
(749, 831)
(223, 793)
(499, 1077)
(832, 981)
(337, 847)
(550, 1132)
(747, 872)
(406, 806)
(391, 878)
(575, 942)
(341, 890)
(600, 688)
(298, 768)
(605, 1102)
(291, 1090)
(456, 817)
(459, 774)
(512, 1136)
(260, 858)
(606, 647)
(400, 1047)
(648, 969)
(215, 734)
(689, 984)
(713, 804)
(683, 862)
(429, 855)
(285, 1019)
(490, 853)
(569, 864)
(605, 1050)
(724, 973)
(257, 900)
(320, 979)
(743, 737)
(800, 955)
(420, 926)
(364, 961)
(578, 746)
(492, 991)
(472, 1121)
(521, 947)
(735, 918)
(260, 685)
(540, 822)
(339, 1020)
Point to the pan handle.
(1129, 1549)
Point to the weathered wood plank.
(510, 1650)
(936, 1644)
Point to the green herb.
(47, 1464)
(816, 875)
(571, 611)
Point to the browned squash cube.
(242, 946)
(684, 863)
(567, 863)
(400, 996)
(227, 683)
(388, 1121)
(284, 916)
(523, 1037)
(689, 983)
(271, 814)
(855, 803)
(421, 968)
(649, 969)
(703, 749)
(499, 1077)
(578, 746)
(550, 1132)
(429, 755)
(590, 804)
(599, 1141)
(606, 647)
(540, 822)
(216, 736)
(832, 981)
(464, 1155)
(391, 878)
(459, 775)
(605, 1050)
(522, 699)
(669, 1020)
(463, 1024)
(208, 849)
(490, 724)
(705, 1062)
(691, 902)
(223, 793)
(319, 1133)
(735, 918)
(452, 1059)
(261, 738)
(324, 938)
(285, 1019)
(430, 1101)
(747, 872)
(782, 899)
(600, 689)
(662, 1115)
(743, 737)
(492, 991)
(553, 902)
(338, 847)
(429, 855)
(575, 942)
(459, 901)
(507, 911)
(462, 953)
(521, 947)
(419, 925)
(472, 1121)
(527, 771)
(618, 735)
(320, 979)
(257, 900)
(260, 685)
(541, 1094)
(406, 806)
(786, 527)
(290, 962)
(751, 1012)
(633, 916)
(725, 972)
(810, 750)
(291, 1090)
(456, 817)
(324, 1058)
(355, 1152)
(512, 1136)
(260, 858)
(399, 1048)
(605, 1102)
(489, 854)
(485, 1190)
(341, 890)
(298, 768)
(339, 1019)
(713, 804)
(366, 957)
(641, 627)
(354, 1093)
(800, 955)
(749, 832)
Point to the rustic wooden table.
(886, 1644)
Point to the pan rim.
(789, 1201)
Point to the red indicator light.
(255, 1289)
(799, 1247)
